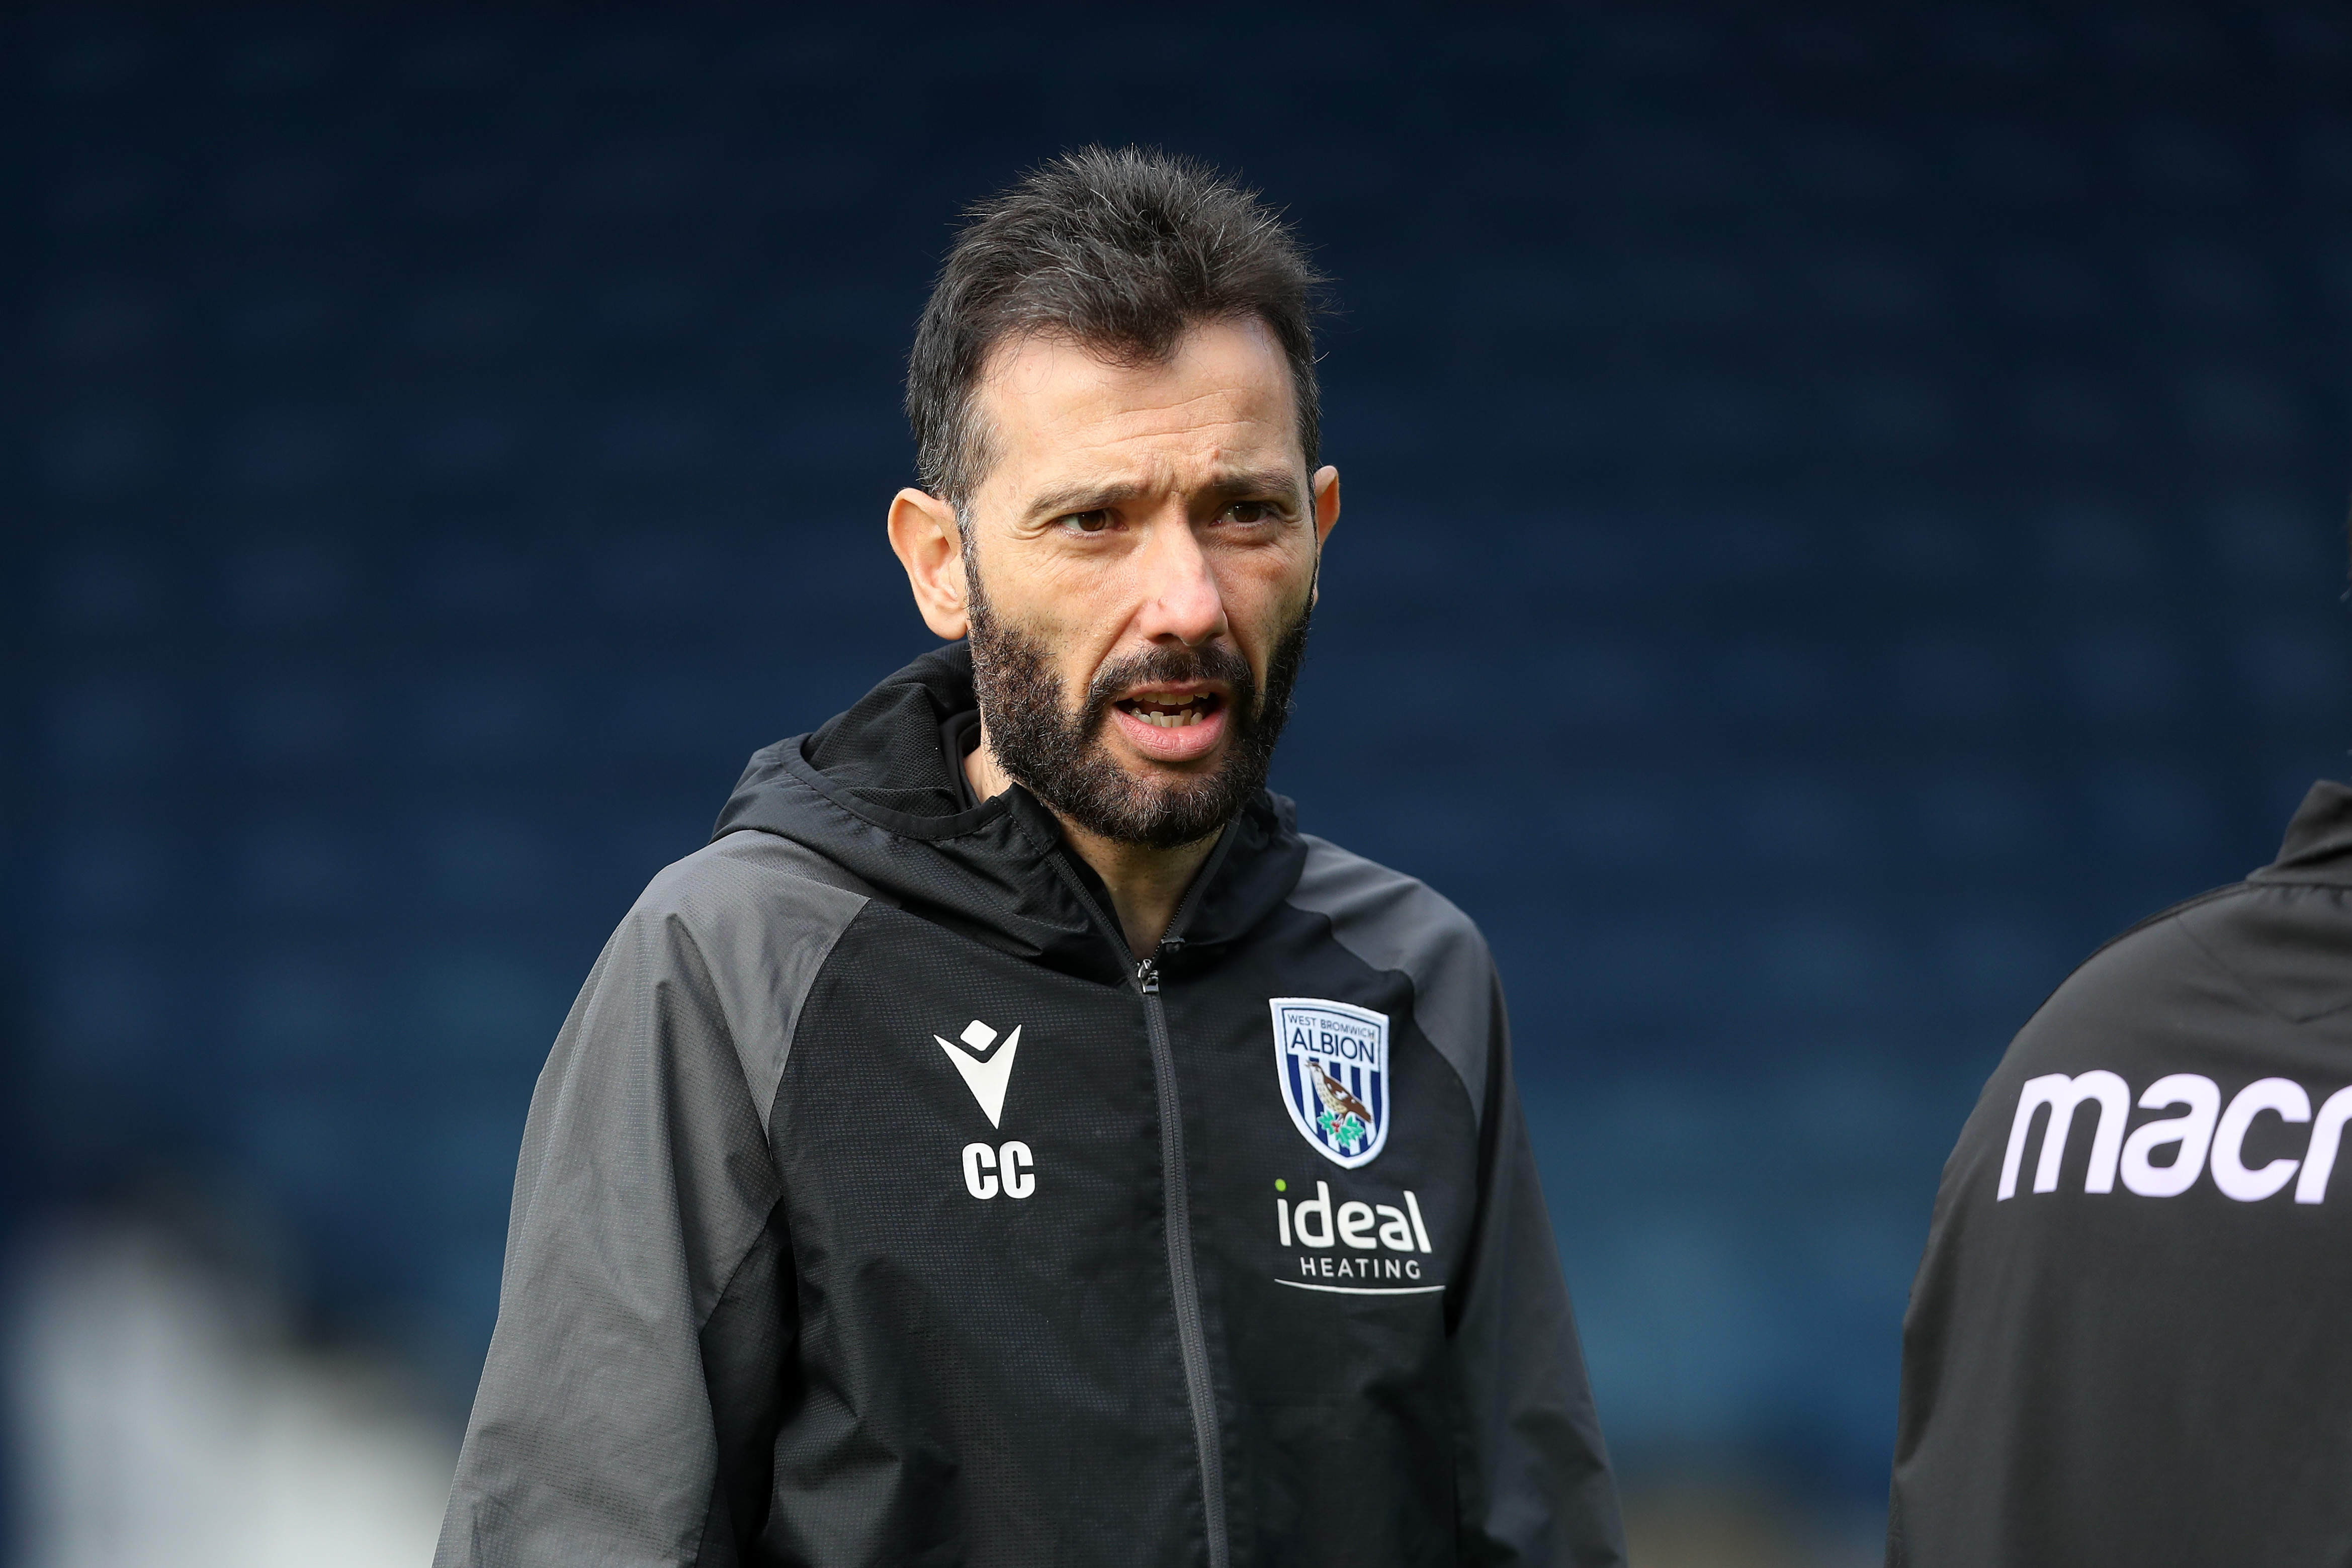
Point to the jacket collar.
(2318, 844)
(873, 792)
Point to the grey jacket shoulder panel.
(1391, 921)
(764, 913)
(795, 857)
(645, 1224)
(644, 1184)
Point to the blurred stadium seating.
(1844, 511)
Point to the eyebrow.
(1269, 484)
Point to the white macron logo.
(2205, 1137)
(986, 1071)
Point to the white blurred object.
(163, 1420)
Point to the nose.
(1182, 600)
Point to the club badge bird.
(1345, 1119)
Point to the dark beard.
(1056, 752)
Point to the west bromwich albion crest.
(1333, 1061)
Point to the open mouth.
(1167, 712)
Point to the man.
(2126, 1344)
(1011, 1142)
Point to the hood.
(2318, 844)
(873, 792)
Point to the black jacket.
(876, 1207)
(2129, 1340)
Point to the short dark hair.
(1120, 250)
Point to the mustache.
(1219, 661)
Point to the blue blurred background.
(1844, 511)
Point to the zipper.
(1192, 1337)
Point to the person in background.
(2126, 1344)
(1011, 1140)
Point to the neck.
(1146, 885)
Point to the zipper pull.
(1147, 976)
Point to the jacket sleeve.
(1534, 1476)
(627, 1411)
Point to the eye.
(1253, 511)
(1093, 521)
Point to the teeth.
(1168, 712)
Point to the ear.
(1325, 486)
(928, 544)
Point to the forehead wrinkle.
(1160, 438)
(1178, 400)
(1122, 436)
(1206, 422)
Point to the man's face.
(1140, 565)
